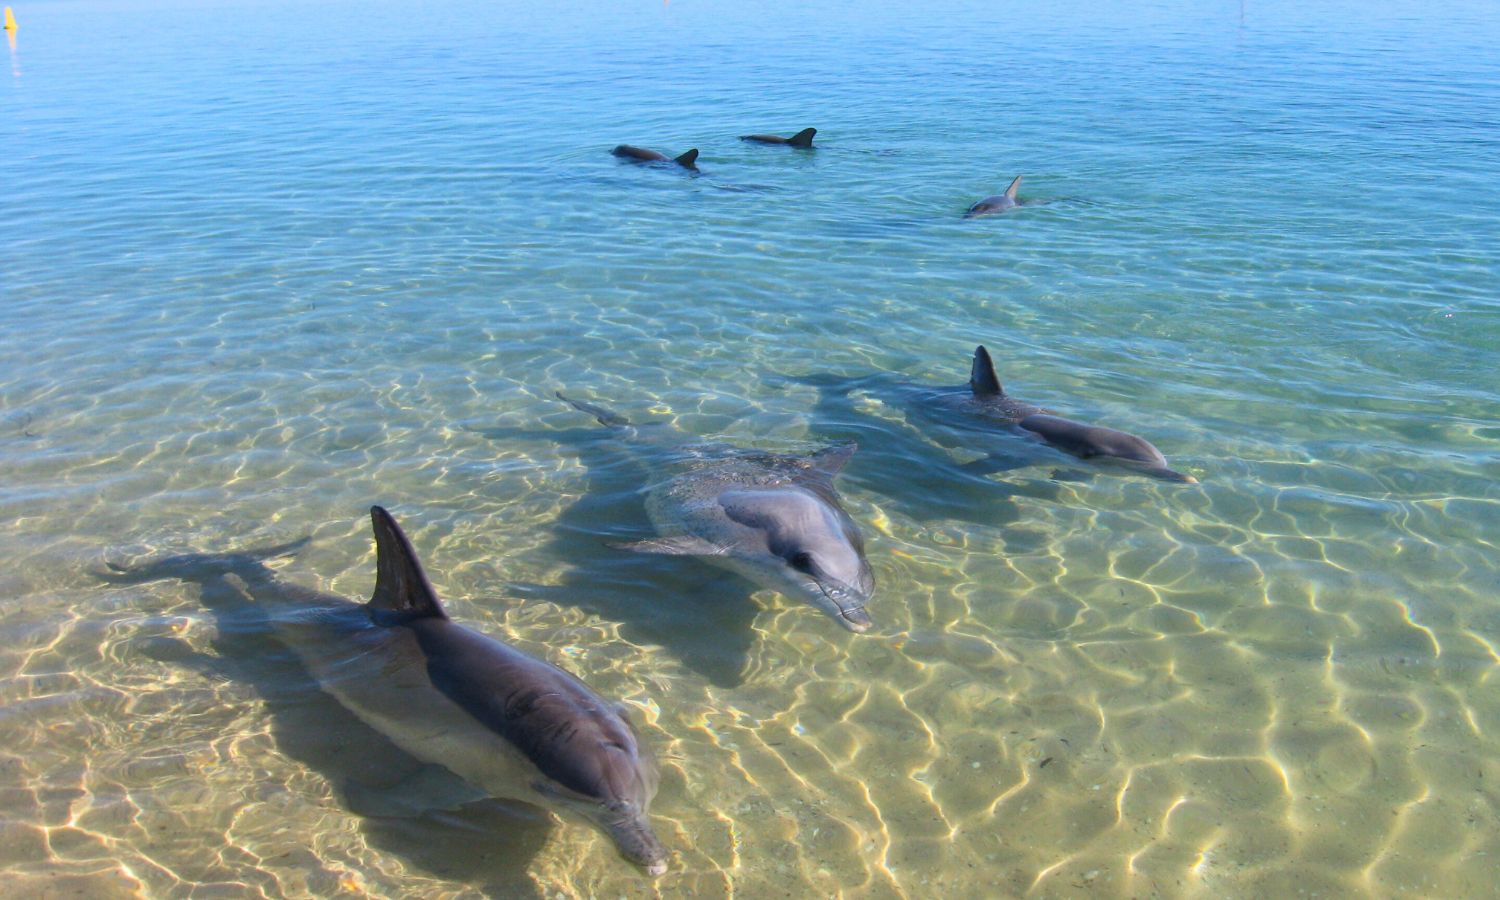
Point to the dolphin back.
(1097, 442)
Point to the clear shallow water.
(265, 265)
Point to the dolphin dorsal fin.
(402, 590)
(831, 460)
(802, 138)
(688, 159)
(982, 378)
(1014, 186)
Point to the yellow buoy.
(10, 20)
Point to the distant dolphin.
(511, 725)
(802, 139)
(996, 204)
(775, 519)
(688, 160)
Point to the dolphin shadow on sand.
(418, 811)
(701, 617)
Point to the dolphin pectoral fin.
(686, 545)
(982, 378)
(605, 417)
(802, 138)
(831, 460)
(689, 159)
(1014, 186)
(401, 587)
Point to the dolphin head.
(626, 822)
(807, 547)
(600, 774)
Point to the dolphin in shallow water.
(511, 725)
(773, 518)
(988, 400)
(983, 402)
(688, 160)
(996, 204)
(802, 139)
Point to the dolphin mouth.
(850, 615)
(638, 843)
(855, 619)
(1166, 474)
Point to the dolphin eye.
(802, 562)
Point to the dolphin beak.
(850, 603)
(1166, 474)
(855, 619)
(638, 843)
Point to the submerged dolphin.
(688, 160)
(986, 399)
(984, 402)
(774, 519)
(511, 725)
(996, 204)
(802, 139)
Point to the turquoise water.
(264, 265)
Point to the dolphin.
(688, 160)
(512, 726)
(801, 140)
(984, 402)
(996, 204)
(774, 519)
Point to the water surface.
(266, 264)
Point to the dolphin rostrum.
(511, 725)
(996, 204)
(688, 160)
(802, 139)
(773, 518)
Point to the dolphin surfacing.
(802, 140)
(774, 519)
(997, 204)
(511, 725)
(688, 160)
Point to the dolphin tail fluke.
(401, 587)
(802, 138)
(1014, 186)
(982, 378)
(605, 417)
(688, 159)
(193, 566)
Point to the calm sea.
(264, 264)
